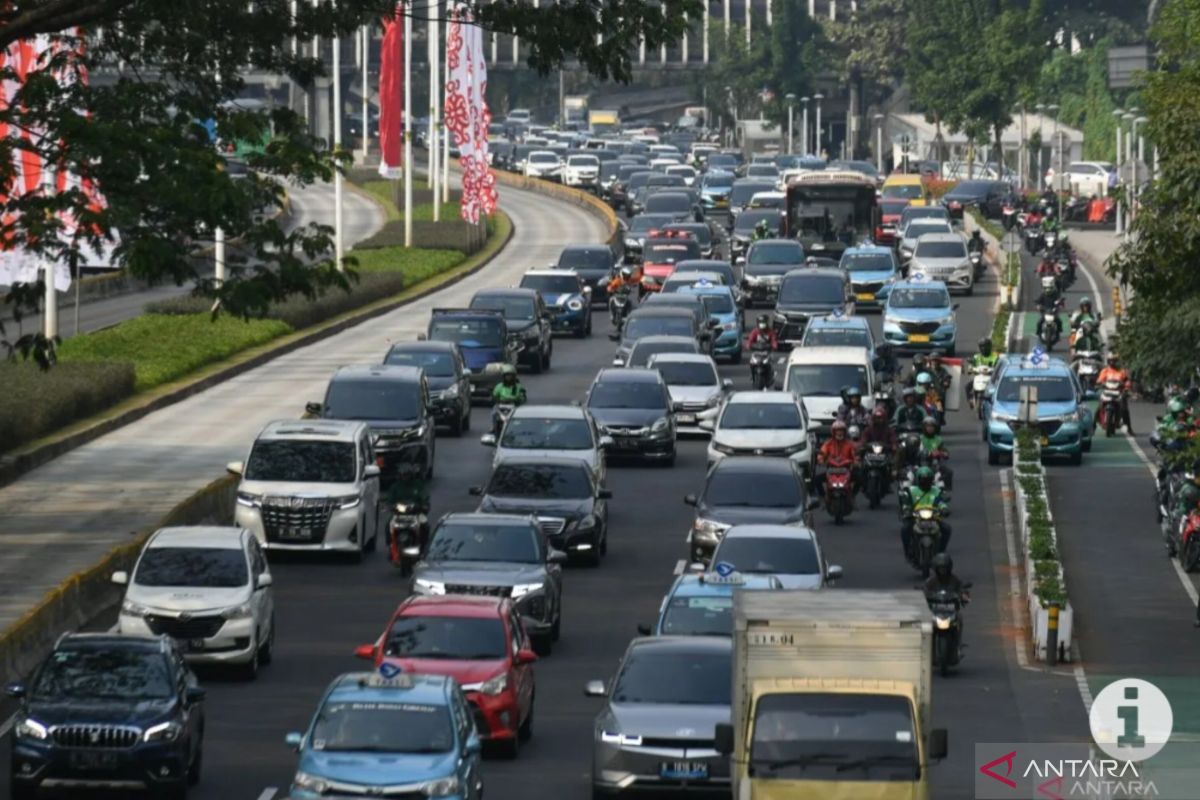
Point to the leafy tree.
(142, 140)
(1078, 83)
(1160, 334)
(870, 49)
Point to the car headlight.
(243, 611)
(906, 251)
(309, 783)
(162, 732)
(522, 589)
(450, 392)
(1072, 417)
(723, 448)
(495, 685)
(632, 243)
(713, 401)
(780, 318)
(575, 304)
(134, 609)
(424, 586)
(442, 787)
(347, 501)
(249, 499)
(586, 523)
(620, 738)
(729, 326)
(999, 416)
(796, 448)
(30, 728)
(660, 425)
(707, 529)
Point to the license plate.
(195, 644)
(474, 388)
(691, 770)
(918, 337)
(868, 296)
(625, 444)
(295, 533)
(685, 417)
(87, 760)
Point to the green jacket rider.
(410, 488)
(509, 390)
(985, 357)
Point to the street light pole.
(1134, 189)
(1058, 169)
(1129, 116)
(1117, 115)
(804, 128)
(338, 178)
(791, 101)
(879, 142)
(817, 143)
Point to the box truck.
(831, 696)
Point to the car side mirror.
(264, 580)
(120, 578)
(235, 467)
(371, 471)
(313, 408)
(938, 744)
(691, 499)
(488, 440)
(556, 557)
(706, 424)
(594, 689)
(643, 629)
(955, 307)
(723, 738)
(294, 740)
(16, 690)
(727, 384)
(604, 494)
(421, 337)
(194, 694)
(833, 572)
(606, 442)
(365, 651)
(475, 491)
(526, 657)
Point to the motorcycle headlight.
(442, 787)
(660, 425)
(451, 392)
(162, 732)
(30, 728)
(424, 586)
(404, 508)
(309, 783)
(243, 611)
(249, 499)
(876, 448)
(347, 501)
(943, 623)
(522, 589)
(632, 243)
(906, 251)
(575, 305)
(925, 513)
(134, 609)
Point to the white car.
(763, 424)
(1085, 178)
(209, 588)
(310, 485)
(944, 257)
(688, 174)
(695, 386)
(542, 164)
(581, 171)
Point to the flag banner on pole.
(31, 175)
(466, 113)
(391, 96)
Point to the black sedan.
(445, 374)
(987, 196)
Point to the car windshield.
(744, 190)
(1050, 388)
(754, 488)
(819, 335)
(461, 541)
(301, 461)
(715, 182)
(748, 220)
(543, 158)
(908, 191)
(518, 308)
(583, 161)
(378, 727)
(867, 262)
(916, 230)
(376, 399)
(700, 233)
(941, 250)
(541, 481)
(90, 674)
(627, 394)
(670, 251)
(825, 380)
(815, 736)
(674, 678)
(761, 416)
(716, 304)
(687, 373)
(968, 189)
(922, 212)
(698, 616)
(661, 202)
(643, 350)
(585, 259)
(452, 638)
(762, 171)
(908, 297)
(643, 223)
(436, 365)
(794, 556)
(637, 327)
(468, 333)
(724, 162)
(551, 284)
(210, 567)
(826, 290)
(790, 254)
(547, 433)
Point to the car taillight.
(879, 232)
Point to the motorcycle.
(876, 469)
(1088, 364)
(618, 307)
(500, 415)
(885, 396)
(977, 262)
(839, 498)
(1048, 335)
(1050, 239)
(1008, 215)
(762, 368)
(1109, 414)
(927, 534)
(1033, 233)
(910, 448)
(408, 532)
(981, 375)
(947, 627)
(1189, 542)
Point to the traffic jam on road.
(671, 513)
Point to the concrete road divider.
(568, 195)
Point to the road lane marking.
(8, 726)
(268, 793)
(1081, 683)
(679, 565)
(1014, 579)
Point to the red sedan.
(478, 641)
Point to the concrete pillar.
(749, 9)
(704, 36)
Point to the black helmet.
(883, 349)
(942, 564)
(852, 393)
(1193, 394)
(909, 393)
(985, 346)
(764, 321)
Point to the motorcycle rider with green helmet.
(985, 357)
(923, 494)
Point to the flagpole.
(50, 311)
(338, 179)
(366, 91)
(434, 112)
(408, 157)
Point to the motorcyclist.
(879, 431)
(920, 363)
(887, 366)
(941, 375)
(931, 398)
(411, 489)
(1084, 314)
(509, 390)
(762, 330)
(976, 244)
(985, 357)
(1113, 372)
(629, 277)
(924, 494)
(933, 449)
(761, 231)
(1087, 339)
(1048, 268)
(943, 578)
(837, 451)
(1049, 302)
(909, 414)
(852, 411)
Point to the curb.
(566, 194)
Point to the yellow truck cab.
(831, 697)
(905, 187)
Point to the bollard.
(1052, 634)
(1116, 302)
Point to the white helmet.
(1048, 283)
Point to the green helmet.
(1087, 301)
(1177, 406)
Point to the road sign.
(1011, 242)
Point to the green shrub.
(1041, 543)
(165, 347)
(1050, 590)
(184, 304)
(35, 403)
(451, 234)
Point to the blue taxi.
(389, 734)
(721, 306)
(702, 604)
(918, 315)
(872, 270)
(1064, 419)
(838, 330)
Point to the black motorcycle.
(926, 536)
(408, 532)
(947, 609)
(877, 467)
(762, 367)
(619, 306)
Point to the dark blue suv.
(109, 712)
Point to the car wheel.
(175, 791)
(556, 627)
(993, 457)
(20, 791)
(1087, 446)
(525, 732)
(736, 358)
(511, 748)
(267, 652)
(970, 289)
(549, 355)
(456, 427)
(543, 645)
(536, 364)
(1076, 458)
(670, 460)
(250, 668)
(194, 769)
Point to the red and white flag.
(391, 96)
(466, 113)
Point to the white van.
(817, 376)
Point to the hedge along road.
(313, 203)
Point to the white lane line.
(1014, 579)
(268, 793)
(1081, 683)
(679, 565)
(8, 726)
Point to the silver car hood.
(771, 438)
(187, 598)
(941, 263)
(693, 394)
(297, 489)
(668, 721)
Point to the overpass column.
(642, 50)
(769, 19)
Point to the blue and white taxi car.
(872, 270)
(702, 604)
(721, 305)
(389, 734)
(918, 315)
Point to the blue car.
(702, 605)
(918, 315)
(399, 735)
(566, 296)
(482, 337)
(1065, 420)
(721, 305)
(872, 270)
(715, 188)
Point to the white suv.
(581, 171)
(1085, 178)
(542, 164)
(310, 485)
(209, 589)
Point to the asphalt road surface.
(326, 609)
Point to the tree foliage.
(1160, 335)
(141, 137)
(1078, 83)
(872, 42)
